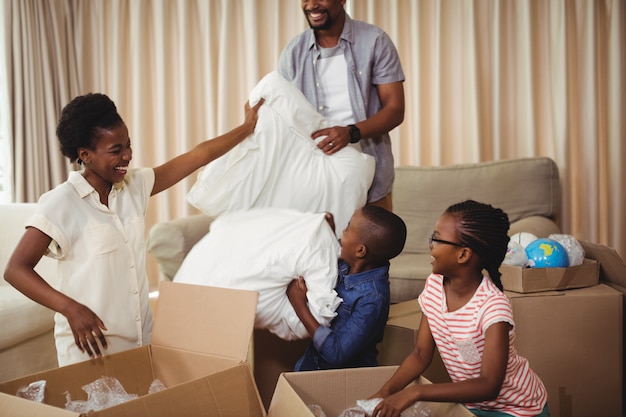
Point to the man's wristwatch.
(355, 134)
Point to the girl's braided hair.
(483, 228)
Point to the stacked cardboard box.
(572, 338)
(198, 351)
(612, 273)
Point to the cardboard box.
(526, 280)
(271, 357)
(399, 340)
(199, 346)
(337, 390)
(623, 291)
(613, 273)
(573, 341)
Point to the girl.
(470, 321)
(94, 225)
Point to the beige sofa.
(527, 189)
(27, 338)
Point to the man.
(351, 72)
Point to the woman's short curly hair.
(80, 121)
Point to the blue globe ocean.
(546, 253)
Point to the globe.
(523, 238)
(546, 253)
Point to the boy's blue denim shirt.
(351, 339)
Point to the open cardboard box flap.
(200, 343)
(612, 267)
(217, 322)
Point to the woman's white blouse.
(102, 257)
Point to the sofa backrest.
(521, 187)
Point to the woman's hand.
(252, 114)
(87, 329)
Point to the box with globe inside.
(544, 264)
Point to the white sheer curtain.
(180, 71)
(507, 79)
(486, 79)
(40, 69)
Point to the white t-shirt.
(102, 257)
(332, 87)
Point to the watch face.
(355, 134)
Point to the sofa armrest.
(169, 242)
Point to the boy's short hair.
(385, 235)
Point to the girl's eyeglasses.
(432, 239)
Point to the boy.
(373, 237)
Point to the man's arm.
(390, 115)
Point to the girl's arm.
(413, 365)
(486, 387)
(184, 165)
(20, 273)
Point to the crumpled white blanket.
(280, 166)
(262, 250)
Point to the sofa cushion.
(21, 318)
(520, 187)
(537, 225)
(169, 242)
(407, 275)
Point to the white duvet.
(262, 250)
(280, 166)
